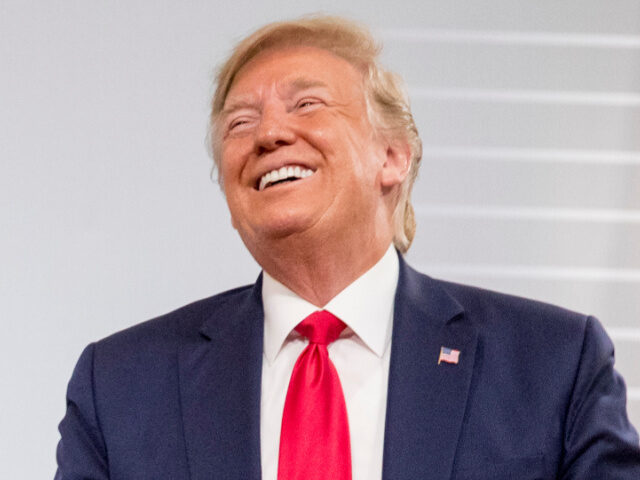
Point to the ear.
(396, 166)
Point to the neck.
(319, 271)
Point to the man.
(409, 377)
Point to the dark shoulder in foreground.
(177, 326)
(495, 310)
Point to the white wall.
(530, 114)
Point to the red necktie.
(314, 441)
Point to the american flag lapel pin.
(449, 355)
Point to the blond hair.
(387, 102)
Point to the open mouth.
(283, 175)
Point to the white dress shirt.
(361, 357)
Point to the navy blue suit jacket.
(534, 395)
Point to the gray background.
(529, 112)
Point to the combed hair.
(387, 101)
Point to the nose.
(273, 131)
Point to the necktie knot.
(321, 327)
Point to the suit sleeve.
(81, 451)
(599, 440)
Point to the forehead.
(296, 67)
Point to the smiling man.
(340, 362)
(303, 109)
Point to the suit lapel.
(426, 401)
(220, 383)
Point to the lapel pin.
(448, 355)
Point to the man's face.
(298, 152)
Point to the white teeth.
(282, 174)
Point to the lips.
(289, 173)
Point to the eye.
(307, 103)
(238, 123)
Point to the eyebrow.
(302, 83)
(237, 105)
(297, 84)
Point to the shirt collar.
(366, 306)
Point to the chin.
(285, 228)
(278, 228)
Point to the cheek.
(230, 163)
(317, 133)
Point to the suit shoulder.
(494, 309)
(529, 337)
(174, 327)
